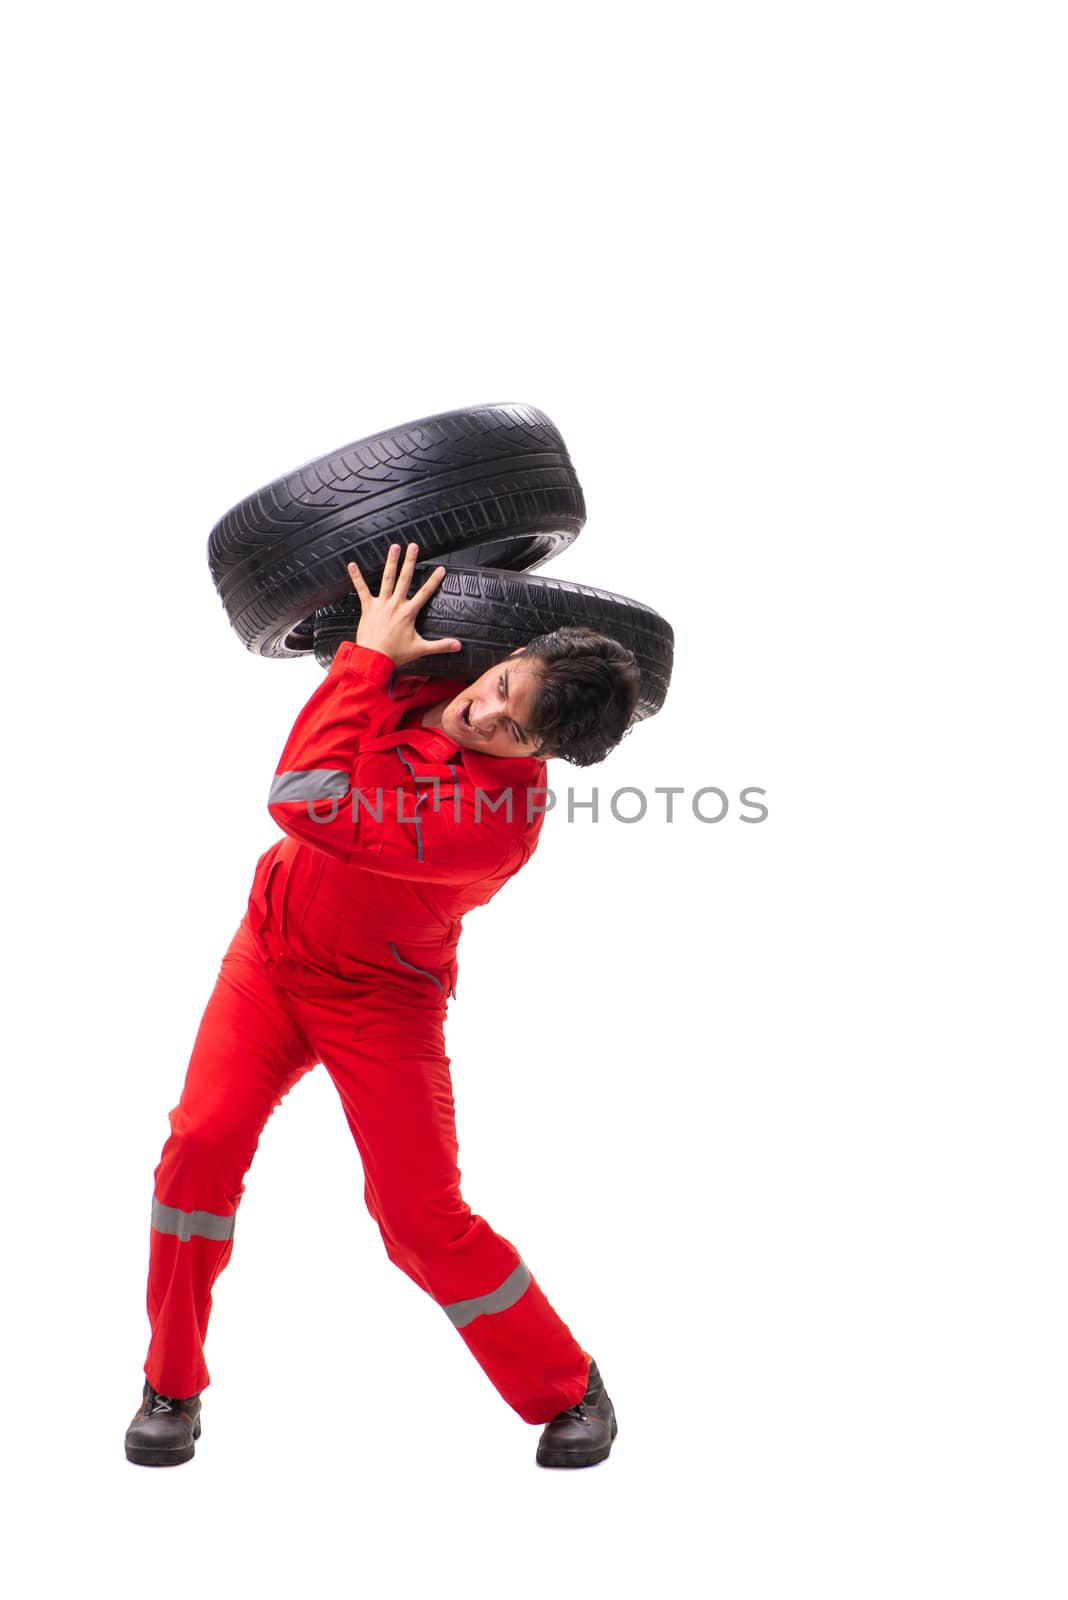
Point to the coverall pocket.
(424, 972)
(264, 909)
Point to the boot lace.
(161, 1405)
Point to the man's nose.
(485, 723)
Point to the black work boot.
(162, 1432)
(583, 1433)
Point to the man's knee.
(414, 1228)
(218, 1143)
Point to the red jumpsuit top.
(393, 830)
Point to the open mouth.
(464, 719)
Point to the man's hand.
(387, 620)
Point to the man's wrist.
(379, 648)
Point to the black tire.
(487, 486)
(493, 612)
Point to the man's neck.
(431, 717)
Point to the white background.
(775, 1113)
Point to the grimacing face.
(490, 715)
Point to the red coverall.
(346, 955)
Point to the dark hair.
(586, 696)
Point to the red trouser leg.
(248, 1052)
(382, 1041)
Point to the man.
(401, 811)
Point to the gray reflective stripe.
(461, 1312)
(317, 783)
(205, 1224)
(421, 970)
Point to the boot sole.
(571, 1458)
(146, 1455)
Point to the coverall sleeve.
(370, 809)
